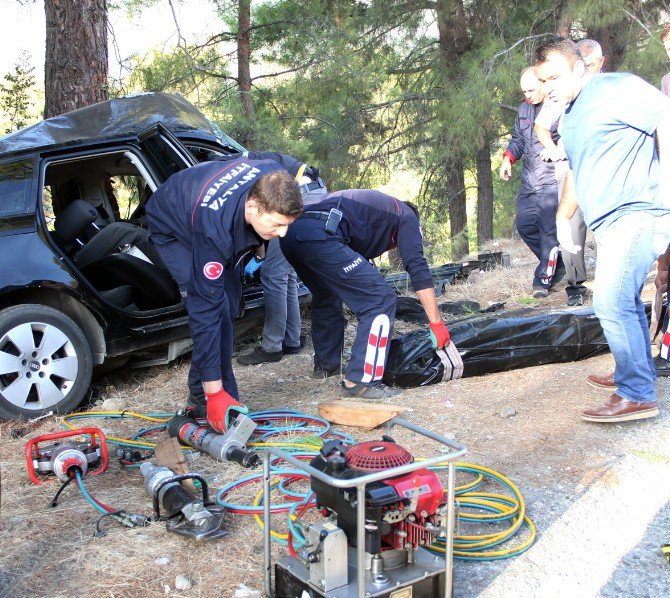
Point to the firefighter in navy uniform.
(329, 246)
(203, 221)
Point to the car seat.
(105, 262)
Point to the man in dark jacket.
(538, 196)
(329, 247)
(203, 221)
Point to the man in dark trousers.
(538, 196)
(203, 221)
(329, 246)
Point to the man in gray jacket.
(538, 196)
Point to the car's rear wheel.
(45, 362)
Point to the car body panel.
(31, 257)
(115, 119)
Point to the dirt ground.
(598, 494)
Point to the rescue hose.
(303, 435)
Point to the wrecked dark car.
(78, 286)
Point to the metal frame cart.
(359, 483)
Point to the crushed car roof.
(121, 117)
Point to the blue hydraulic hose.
(86, 495)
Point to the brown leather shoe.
(618, 409)
(606, 381)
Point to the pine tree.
(15, 96)
(75, 66)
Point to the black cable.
(99, 531)
(54, 501)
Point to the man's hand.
(505, 169)
(439, 335)
(252, 265)
(663, 265)
(564, 234)
(221, 408)
(554, 154)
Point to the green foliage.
(179, 72)
(16, 96)
(366, 91)
(647, 58)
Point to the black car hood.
(121, 117)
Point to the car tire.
(45, 362)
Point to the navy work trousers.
(336, 274)
(536, 223)
(179, 261)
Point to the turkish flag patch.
(212, 270)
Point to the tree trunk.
(484, 193)
(454, 43)
(613, 40)
(452, 28)
(458, 218)
(75, 71)
(564, 18)
(243, 65)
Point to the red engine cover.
(429, 485)
(376, 455)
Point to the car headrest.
(74, 219)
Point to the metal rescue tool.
(222, 447)
(184, 513)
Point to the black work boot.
(575, 300)
(320, 373)
(540, 292)
(295, 350)
(259, 355)
(662, 366)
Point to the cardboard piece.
(359, 414)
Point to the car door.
(165, 153)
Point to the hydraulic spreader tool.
(222, 447)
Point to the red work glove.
(439, 335)
(221, 407)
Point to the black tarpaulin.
(499, 342)
(526, 337)
(121, 117)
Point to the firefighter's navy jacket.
(295, 168)
(293, 165)
(374, 222)
(202, 209)
(535, 173)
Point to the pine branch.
(300, 67)
(488, 67)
